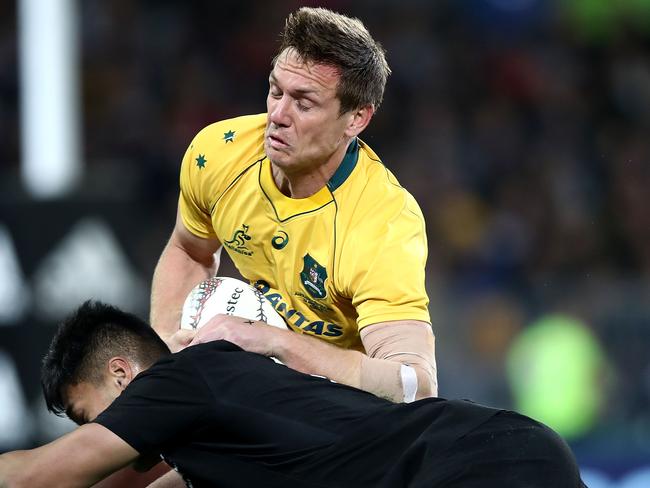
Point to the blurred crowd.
(520, 126)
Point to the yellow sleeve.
(387, 266)
(194, 202)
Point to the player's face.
(85, 400)
(304, 127)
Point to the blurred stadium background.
(521, 127)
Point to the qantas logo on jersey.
(294, 317)
(238, 241)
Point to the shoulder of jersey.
(240, 140)
(373, 198)
(375, 183)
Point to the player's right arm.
(186, 261)
(78, 459)
(192, 253)
(169, 480)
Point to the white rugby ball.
(228, 296)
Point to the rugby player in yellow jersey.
(311, 216)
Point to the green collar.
(346, 166)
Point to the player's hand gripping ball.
(229, 296)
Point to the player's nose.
(279, 112)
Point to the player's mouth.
(277, 142)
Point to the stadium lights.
(49, 96)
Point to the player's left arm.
(399, 365)
(405, 346)
(382, 269)
(392, 345)
(78, 459)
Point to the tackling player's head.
(93, 356)
(321, 36)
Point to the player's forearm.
(169, 480)
(381, 377)
(410, 346)
(313, 356)
(400, 365)
(175, 275)
(90, 453)
(396, 381)
(24, 469)
(11, 469)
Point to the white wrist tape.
(409, 383)
(395, 381)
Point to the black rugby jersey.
(228, 418)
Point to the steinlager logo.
(238, 241)
(313, 277)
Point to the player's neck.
(305, 183)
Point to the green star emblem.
(229, 136)
(200, 161)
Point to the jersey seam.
(270, 200)
(336, 214)
(231, 184)
(379, 161)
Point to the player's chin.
(279, 158)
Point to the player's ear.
(120, 371)
(359, 120)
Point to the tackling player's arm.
(186, 260)
(169, 480)
(391, 345)
(78, 459)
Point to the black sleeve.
(159, 406)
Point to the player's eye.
(302, 106)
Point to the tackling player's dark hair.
(86, 340)
(322, 36)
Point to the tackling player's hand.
(179, 339)
(250, 335)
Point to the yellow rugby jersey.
(351, 255)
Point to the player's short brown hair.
(86, 340)
(322, 36)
